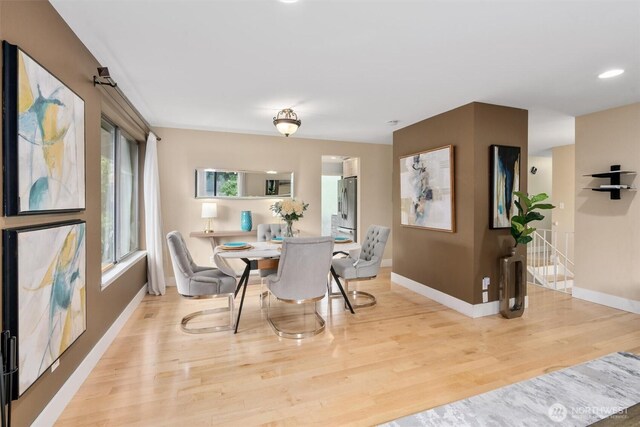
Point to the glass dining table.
(265, 255)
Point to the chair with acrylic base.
(301, 279)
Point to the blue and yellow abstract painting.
(50, 141)
(505, 180)
(51, 290)
(426, 189)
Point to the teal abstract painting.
(46, 294)
(46, 150)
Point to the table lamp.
(209, 210)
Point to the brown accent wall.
(37, 28)
(455, 263)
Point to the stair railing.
(548, 265)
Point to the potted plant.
(520, 229)
(514, 264)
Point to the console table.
(216, 234)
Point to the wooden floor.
(402, 356)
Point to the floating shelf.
(610, 174)
(608, 189)
(614, 179)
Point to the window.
(221, 183)
(119, 185)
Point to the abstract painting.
(44, 271)
(43, 139)
(505, 179)
(426, 189)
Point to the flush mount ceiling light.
(287, 122)
(610, 73)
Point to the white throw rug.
(576, 396)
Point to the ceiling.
(348, 67)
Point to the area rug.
(576, 396)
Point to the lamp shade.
(209, 210)
(286, 127)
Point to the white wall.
(181, 151)
(607, 231)
(541, 182)
(329, 201)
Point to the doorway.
(339, 196)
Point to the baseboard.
(54, 408)
(601, 298)
(386, 263)
(470, 310)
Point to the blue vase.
(245, 221)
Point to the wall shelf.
(614, 187)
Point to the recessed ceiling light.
(288, 1)
(272, 172)
(611, 73)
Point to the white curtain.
(153, 220)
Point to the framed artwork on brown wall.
(427, 189)
(43, 139)
(44, 294)
(505, 179)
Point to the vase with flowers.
(289, 210)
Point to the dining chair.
(196, 282)
(365, 267)
(301, 279)
(266, 232)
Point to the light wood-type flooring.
(404, 355)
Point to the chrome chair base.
(354, 295)
(281, 332)
(189, 317)
(371, 300)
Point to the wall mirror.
(229, 184)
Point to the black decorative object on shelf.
(614, 187)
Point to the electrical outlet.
(55, 365)
(485, 283)
(485, 297)
(211, 260)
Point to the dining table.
(265, 255)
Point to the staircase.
(550, 260)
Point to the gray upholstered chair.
(199, 282)
(301, 278)
(266, 232)
(366, 266)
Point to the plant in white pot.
(513, 265)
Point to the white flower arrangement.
(289, 209)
